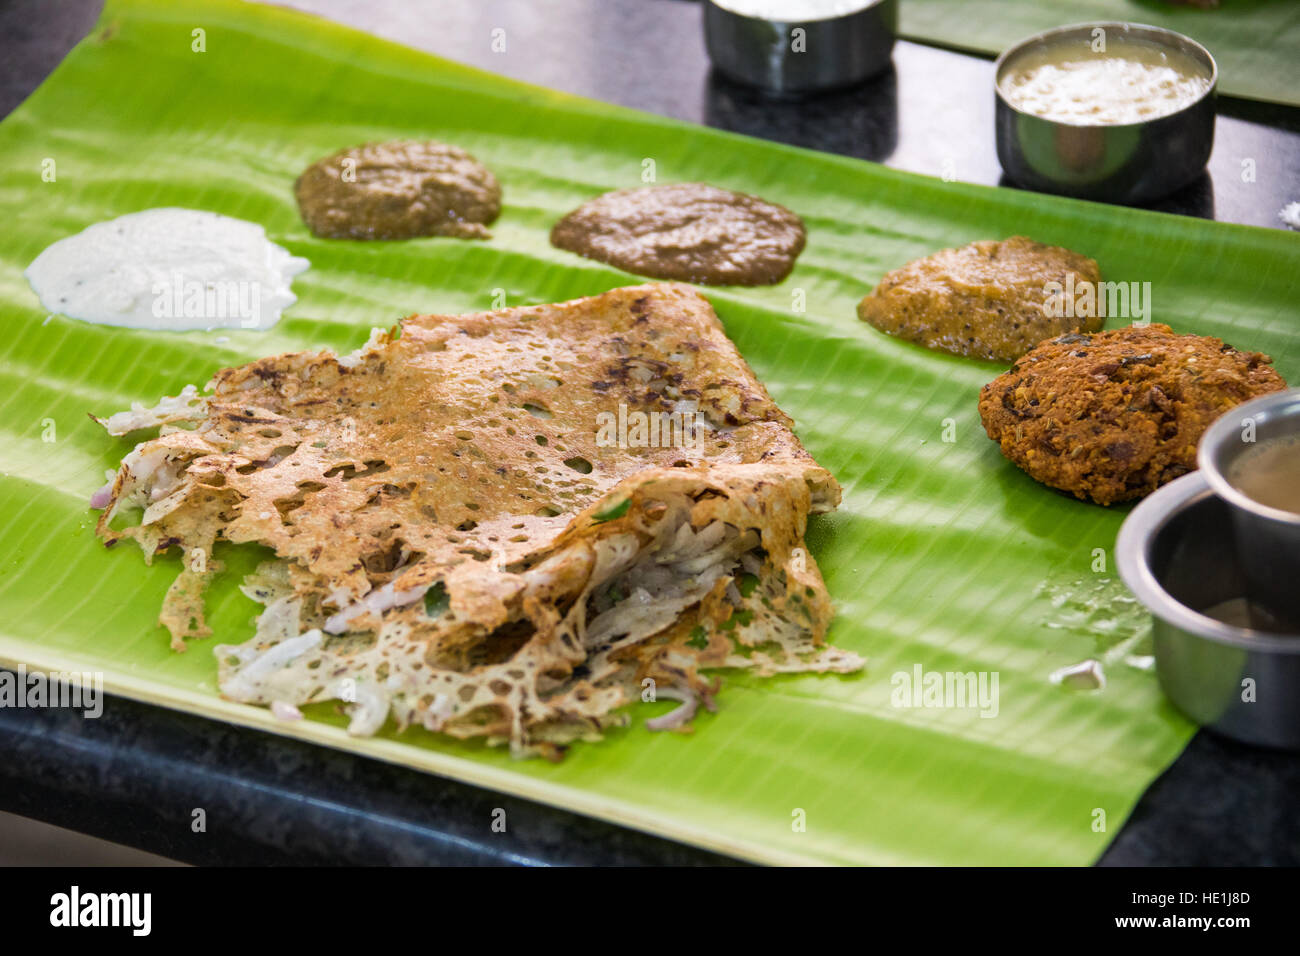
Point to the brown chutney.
(398, 190)
(988, 300)
(690, 232)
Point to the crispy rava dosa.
(474, 532)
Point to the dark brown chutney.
(690, 232)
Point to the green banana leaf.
(1255, 42)
(943, 555)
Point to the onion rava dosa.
(474, 530)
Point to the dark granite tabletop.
(137, 774)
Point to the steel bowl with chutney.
(1215, 556)
(1251, 459)
(1112, 111)
(800, 46)
(1222, 660)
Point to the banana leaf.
(943, 556)
(1255, 42)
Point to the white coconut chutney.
(171, 269)
(1131, 82)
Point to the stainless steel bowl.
(1176, 553)
(828, 53)
(1267, 539)
(1126, 163)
